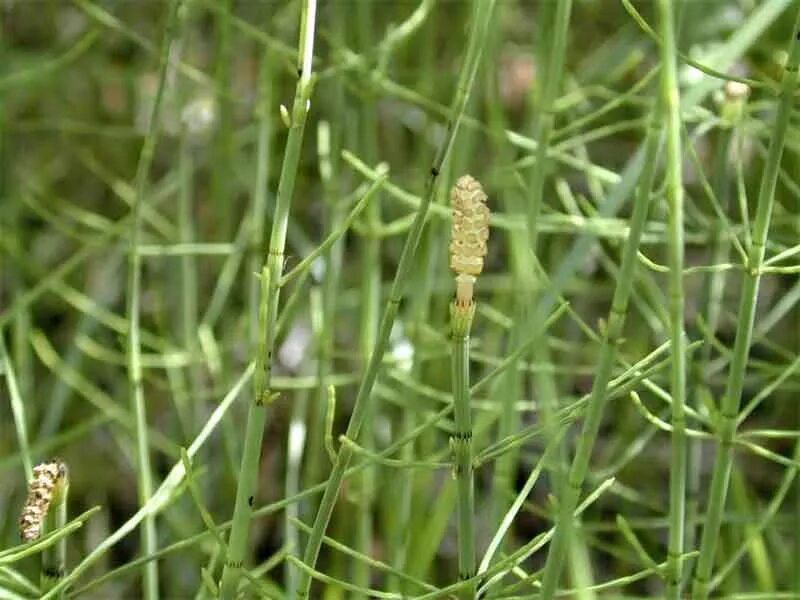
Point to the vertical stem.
(54, 558)
(570, 493)
(461, 443)
(553, 67)
(670, 104)
(136, 393)
(482, 11)
(221, 175)
(729, 409)
(555, 54)
(405, 519)
(263, 113)
(327, 146)
(509, 386)
(295, 445)
(370, 302)
(544, 121)
(188, 270)
(270, 290)
(713, 300)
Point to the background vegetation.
(142, 145)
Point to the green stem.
(544, 122)
(222, 172)
(670, 105)
(552, 55)
(54, 558)
(258, 209)
(713, 300)
(188, 271)
(136, 393)
(327, 142)
(729, 410)
(482, 11)
(370, 303)
(568, 500)
(461, 443)
(270, 291)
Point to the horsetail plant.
(728, 417)
(670, 104)
(612, 337)
(552, 57)
(470, 233)
(270, 291)
(732, 111)
(481, 18)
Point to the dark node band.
(53, 572)
(434, 171)
(250, 501)
(462, 435)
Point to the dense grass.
(227, 302)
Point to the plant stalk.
(270, 291)
(461, 443)
(482, 11)
(670, 105)
(134, 362)
(54, 558)
(571, 488)
(729, 409)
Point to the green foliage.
(225, 298)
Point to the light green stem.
(670, 105)
(270, 291)
(54, 558)
(461, 443)
(553, 56)
(729, 409)
(370, 304)
(222, 173)
(188, 272)
(545, 118)
(482, 11)
(136, 393)
(713, 300)
(570, 493)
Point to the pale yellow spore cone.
(468, 243)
